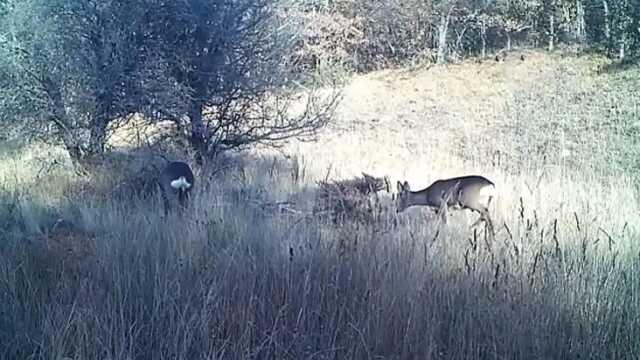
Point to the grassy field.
(235, 278)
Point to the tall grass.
(234, 279)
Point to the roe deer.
(465, 192)
(176, 182)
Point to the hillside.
(570, 111)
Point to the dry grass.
(238, 277)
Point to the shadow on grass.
(227, 279)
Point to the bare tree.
(229, 56)
(71, 68)
(445, 10)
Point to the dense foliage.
(375, 33)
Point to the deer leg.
(484, 217)
(490, 226)
(444, 214)
(441, 213)
(480, 219)
(182, 199)
(477, 222)
(165, 199)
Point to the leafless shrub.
(351, 199)
(327, 37)
(361, 35)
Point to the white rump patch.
(180, 184)
(487, 191)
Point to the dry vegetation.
(251, 272)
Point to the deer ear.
(406, 186)
(399, 185)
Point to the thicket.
(364, 35)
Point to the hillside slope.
(514, 115)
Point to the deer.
(176, 182)
(471, 192)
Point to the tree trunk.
(552, 31)
(581, 25)
(483, 36)
(443, 28)
(198, 132)
(460, 37)
(623, 46)
(508, 41)
(75, 150)
(69, 140)
(59, 118)
(536, 40)
(98, 135)
(607, 23)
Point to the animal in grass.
(176, 182)
(466, 192)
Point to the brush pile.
(353, 199)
